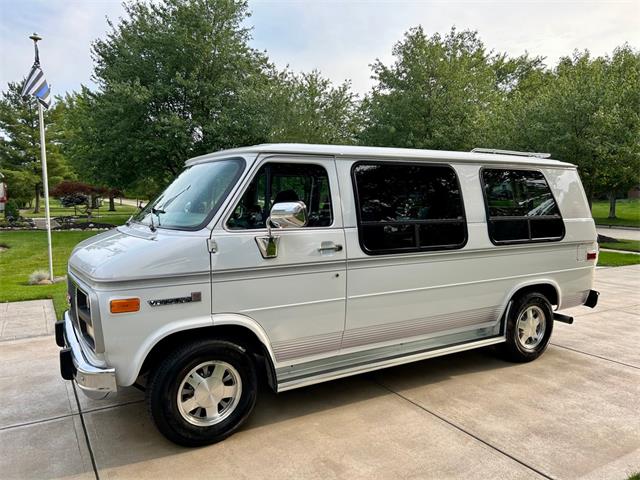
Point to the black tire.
(166, 378)
(513, 350)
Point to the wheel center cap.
(208, 395)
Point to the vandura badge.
(195, 297)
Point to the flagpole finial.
(35, 37)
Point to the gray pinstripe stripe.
(306, 346)
(418, 326)
(303, 347)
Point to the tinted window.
(520, 206)
(284, 182)
(408, 207)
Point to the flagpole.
(43, 157)
(45, 184)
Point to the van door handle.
(330, 247)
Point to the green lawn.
(614, 259)
(28, 252)
(627, 211)
(628, 245)
(102, 215)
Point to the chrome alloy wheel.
(209, 393)
(531, 327)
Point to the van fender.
(129, 376)
(248, 323)
(528, 283)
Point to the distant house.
(634, 192)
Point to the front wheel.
(201, 393)
(528, 328)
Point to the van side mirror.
(283, 215)
(288, 215)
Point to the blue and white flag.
(37, 86)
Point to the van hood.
(131, 253)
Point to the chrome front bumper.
(94, 381)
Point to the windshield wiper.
(166, 204)
(160, 210)
(156, 212)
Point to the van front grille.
(81, 312)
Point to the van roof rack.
(511, 152)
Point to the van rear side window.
(520, 207)
(408, 207)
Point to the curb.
(618, 251)
(618, 227)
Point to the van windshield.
(193, 197)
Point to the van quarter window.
(408, 207)
(520, 207)
(284, 182)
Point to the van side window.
(520, 207)
(284, 182)
(408, 207)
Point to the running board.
(558, 317)
(389, 362)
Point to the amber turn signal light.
(125, 305)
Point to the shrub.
(38, 276)
(11, 210)
(73, 199)
(20, 185)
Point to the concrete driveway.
(574, 413)
(620, 233)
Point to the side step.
(558, 317)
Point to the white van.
(306, 263)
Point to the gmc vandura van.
(300, 264)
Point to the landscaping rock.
(85, 226)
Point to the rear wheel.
(202, 392)
(528, 328)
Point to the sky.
(339, 38)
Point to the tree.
(586, 112)
(21, 185)
(307, 108)
(177, 79)
(619, 124)
(172, 80)
(437, 94)
(567, 115)
(512, 123)
(20, 144)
